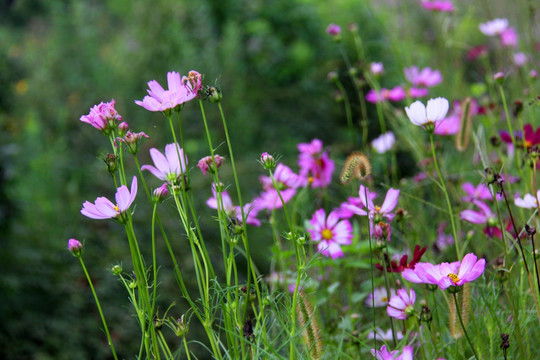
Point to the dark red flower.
(402, 265)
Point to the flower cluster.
(103, 117)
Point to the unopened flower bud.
(353, 71)
(213, 94)
(454, 289)
(207, 164)
(335, 31)
(425, 315)
(75, 247)
(110, 161)
(268, 162)
(123, 128)
(116, 270)
(160, 193)
(498, 77)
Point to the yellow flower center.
(453, 277)
(327, 234)
(117, 208)
(377, 208)
(384, 299)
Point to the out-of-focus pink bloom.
(234, 212)
(333, 29)
(425, 77)
(401, 305)
(528, 201)
(533, 74)
(434, 112)
(377, 68)
(355, 203)
(498, 76)
(379, 297)
(438, 5)
(493, 27)
(287, 182)
(103, 208)
(103, 117)
(395, 94)
(330, 233)
(158, 99)
(415, 92)
(478, 193)
(375, 212)
(520, 59)
(205, 164)
(530, 136)
(384, 335)
(167, 167)
(384, 142)
(402, 265)
(509, 37)
(384, 354)
(476, 52)
(443, 240)
(160, 193)
(448, 126)
(484, 216)
(315, 164)
(447, 274)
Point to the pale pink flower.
(384, 142)
(375, 211)
(434, 112)
(169, 167)
(520, 59)
(447, 274)
(425, 77)
(401, 305)
(493, 27)
(509, 37)
(438, 5)
(384, 335)
(478, 193)
(415, 92)
(159, 99)
(287, 182)
(105, 209)
(315, 164)
(484, 216)
(232, 211)
(528, 201)
(379, 297)
(330, 233)
(103, 117)
(395, 94)
(377, 68)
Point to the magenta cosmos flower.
(425, 77)
(167, 167)
(232, 211)
(159, 99)
(478, 193)
(447, 274)
(333, 29)
(315, 164)
(484, 216)
(384, 354)
(438, 5)
(395, 94)
(287, 182)
(103, 208)
(330, 233)
(401, 305)
(103, 117)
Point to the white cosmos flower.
(528, 201)
(421, 115)
(493, 27)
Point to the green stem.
(99, 308)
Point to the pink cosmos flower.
(333, 29)
(451, 124)
(375, 212)
(478, 193)
(425, 77)
(443, 240)
(159, 99)
(509, 37)
(384, 354)
(75, 247)
(434, 112)
(131, 140)
(438, 5)
(194, 79)
(105, 209)
(167, 167)
(395, 94)
(206, 162)
(345, 212)
(384, 335)
(287, 182)
(232, 211)
(103, 117)
(315, 164)
(493, 27)
(447, 274)
(415, 92)
(384, 142)
(401, 305)
(377, 68)
(379, 297)
(330, 233)
(528, 201)
(520, 59)
(484, 216)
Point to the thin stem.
(463, 326)
(99, 308)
